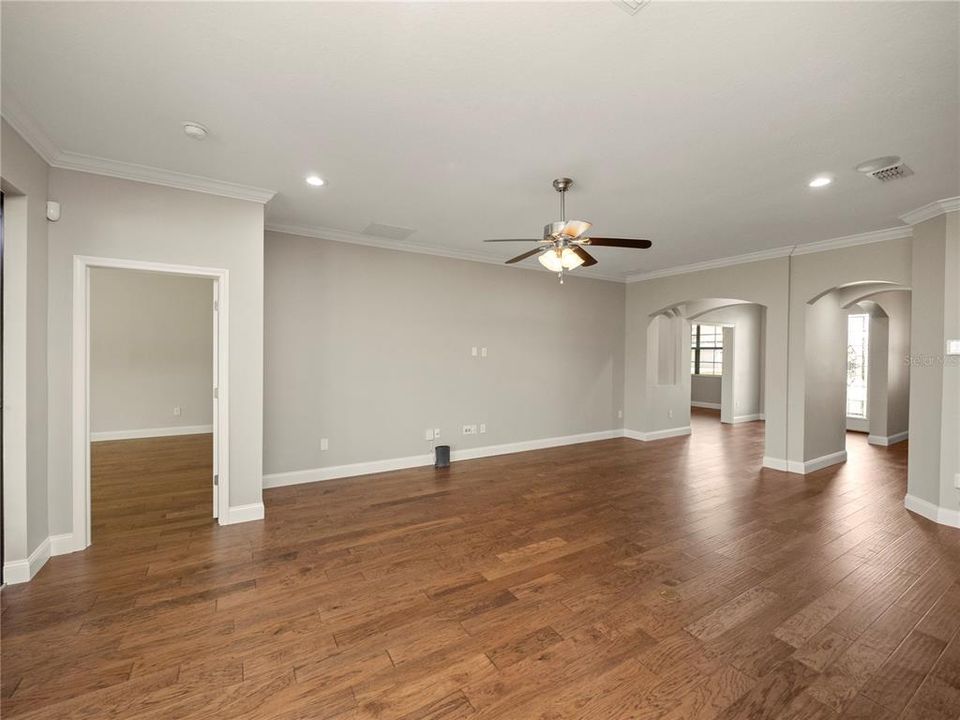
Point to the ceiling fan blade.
(515, 240)
(617, 242)
(587, 258)
(524, 256)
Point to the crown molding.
(711, 264)
(874, 236)
(344, 236)
(158, 176)
(895, 233)
(34, 135)
(28, 128)
(931, 210)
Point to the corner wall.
(25, 524)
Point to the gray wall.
(24, 183)
(369, 347)
(114, 218)
(151, 348)
(705, 389)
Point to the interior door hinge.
(216, 480)
(216, 305)
(216, 393)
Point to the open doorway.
(212, 311)
(727, 363)
(152, 372)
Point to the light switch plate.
(953, 347)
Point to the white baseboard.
(803, 468)
(657, 434)
(150, 432)
(941, 515)
(243, 513)
(776, 463)
(747, 418)
(21, 571)
(297, 477)
(705, 405)
(887, 440)
(819, 463)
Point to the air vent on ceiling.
(631, 7)
(886, 168)
(390, 232)
(894, 172)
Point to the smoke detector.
(884, 169)
(194, 131)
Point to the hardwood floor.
(617, 579)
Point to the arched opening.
(857, 382)
(711, 353)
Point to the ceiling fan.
(563, 243)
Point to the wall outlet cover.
(324, 444)
(428, 434)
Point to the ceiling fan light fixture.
(558, 261)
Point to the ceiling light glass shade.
(820, 181)
(567, 259)
(575, 228)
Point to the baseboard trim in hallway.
(941, 515)
(150, 432)
(887, 440)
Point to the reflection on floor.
(617, 579)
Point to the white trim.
(63, 544)
(867, 238)
(657, 434)
(28, 128)
(81, 381)
(887, 440)
(21, 571)
(333, 472)
(158, 176)
(241, 513)
(705, 405)
(35, 136)
(776, 463)
(894, 233)
(819, 463)
(931, 210)
(746, 418)
(352, 238)
(150, 432)
(758, 256)
(941, 515)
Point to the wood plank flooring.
(666, 580)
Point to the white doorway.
(218, 393)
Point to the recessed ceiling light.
(820, 181)
(314, 180)
(195, 131)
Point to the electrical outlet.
(428, 434)
(483, 352)
(483, 428)
(620, 414)
(956, 481)
(670, 414)
(436, 433)
(324, 444)
(177, 411)
(469, 429)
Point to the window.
(706, 345)
(858, 335)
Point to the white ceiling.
(696, 125)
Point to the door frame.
(82, 264)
